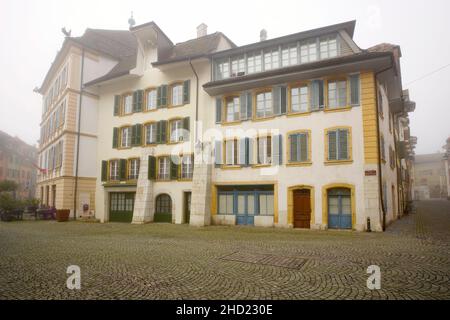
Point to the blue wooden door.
(245, 208)
(339, 209)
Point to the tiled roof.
(383, 47)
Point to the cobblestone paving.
(159, 261)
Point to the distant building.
(447, 165)
(430, 177)
(18, 163)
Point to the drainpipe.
(196, 103)
(78, 137)
(380, 177)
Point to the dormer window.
(271, 59)
(308, 51)
(328, 47)
(238, 66)
(289, 55)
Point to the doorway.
(302, 209)
(187, 207)
(339, 208)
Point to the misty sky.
(30, 36)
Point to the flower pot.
(62, 215)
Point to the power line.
(428, 74)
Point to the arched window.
(163, 208)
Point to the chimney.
(263, 35)
(202, 30)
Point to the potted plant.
(62, 215)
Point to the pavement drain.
(267, 260)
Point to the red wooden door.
(302, 209)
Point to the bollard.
(368, 225)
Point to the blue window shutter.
(243, 106)
(218, 153)
(218, 110)
(354, 90)
(277, 150)
(276, 100)
(283, 99)
(249, 105)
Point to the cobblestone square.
(163, 261)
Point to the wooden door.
(302, 209)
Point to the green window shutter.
(293, 144)
(158, 132)
(135, 100)
(218, 153)
(303, 146)
(123, 169)
(104, 171)
(354, 90)
(249, 105)
(164, 96)
(218, 110)
(332, 148)
(116, 105)
(137, 135)
(158, 97)
(277, 155)
(173, 169)
(343, 144)
(163, 129)
(138, 100)
(115, 138)
(186, 91)
(283, 99)
(151, 168)
(187, 128)
(243, 106)
(133, 135)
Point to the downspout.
(78, 137)
(380, 177)
(196, 103)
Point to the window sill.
(177, 106)
(264, 119)
(174, 142)
(230, 167)
(232, 123)
(299, 164)
(185, 180)
(163, 180)
(338, 162)
(124, 148)
(339, 109)
(256, 166)
(151, 110)
(299, 114)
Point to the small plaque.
(371, 173)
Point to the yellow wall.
(369, 108)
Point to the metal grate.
(267, 259)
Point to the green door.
(121, 207)
(163, 209)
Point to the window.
(187, 165)
(391, 157)
(163, 168)
(338, 145)
(127, 103)
(232, 109)
(133, 169)
(289, 55)
(226, 203)
(238, 66)
(151, 96)
(264, 104)
(300, 99)
(308, 51)
(266, 207)
(254, 62)
(271, 59)
(125, 137)
(114, 170)
(328, 47)
(264, 146)
(298, 147)
(231, 152)
(380, 102)
(337, 94)
(176, 130)
(223, 69)
(163, 204)
(177, 95)
(150, 133)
